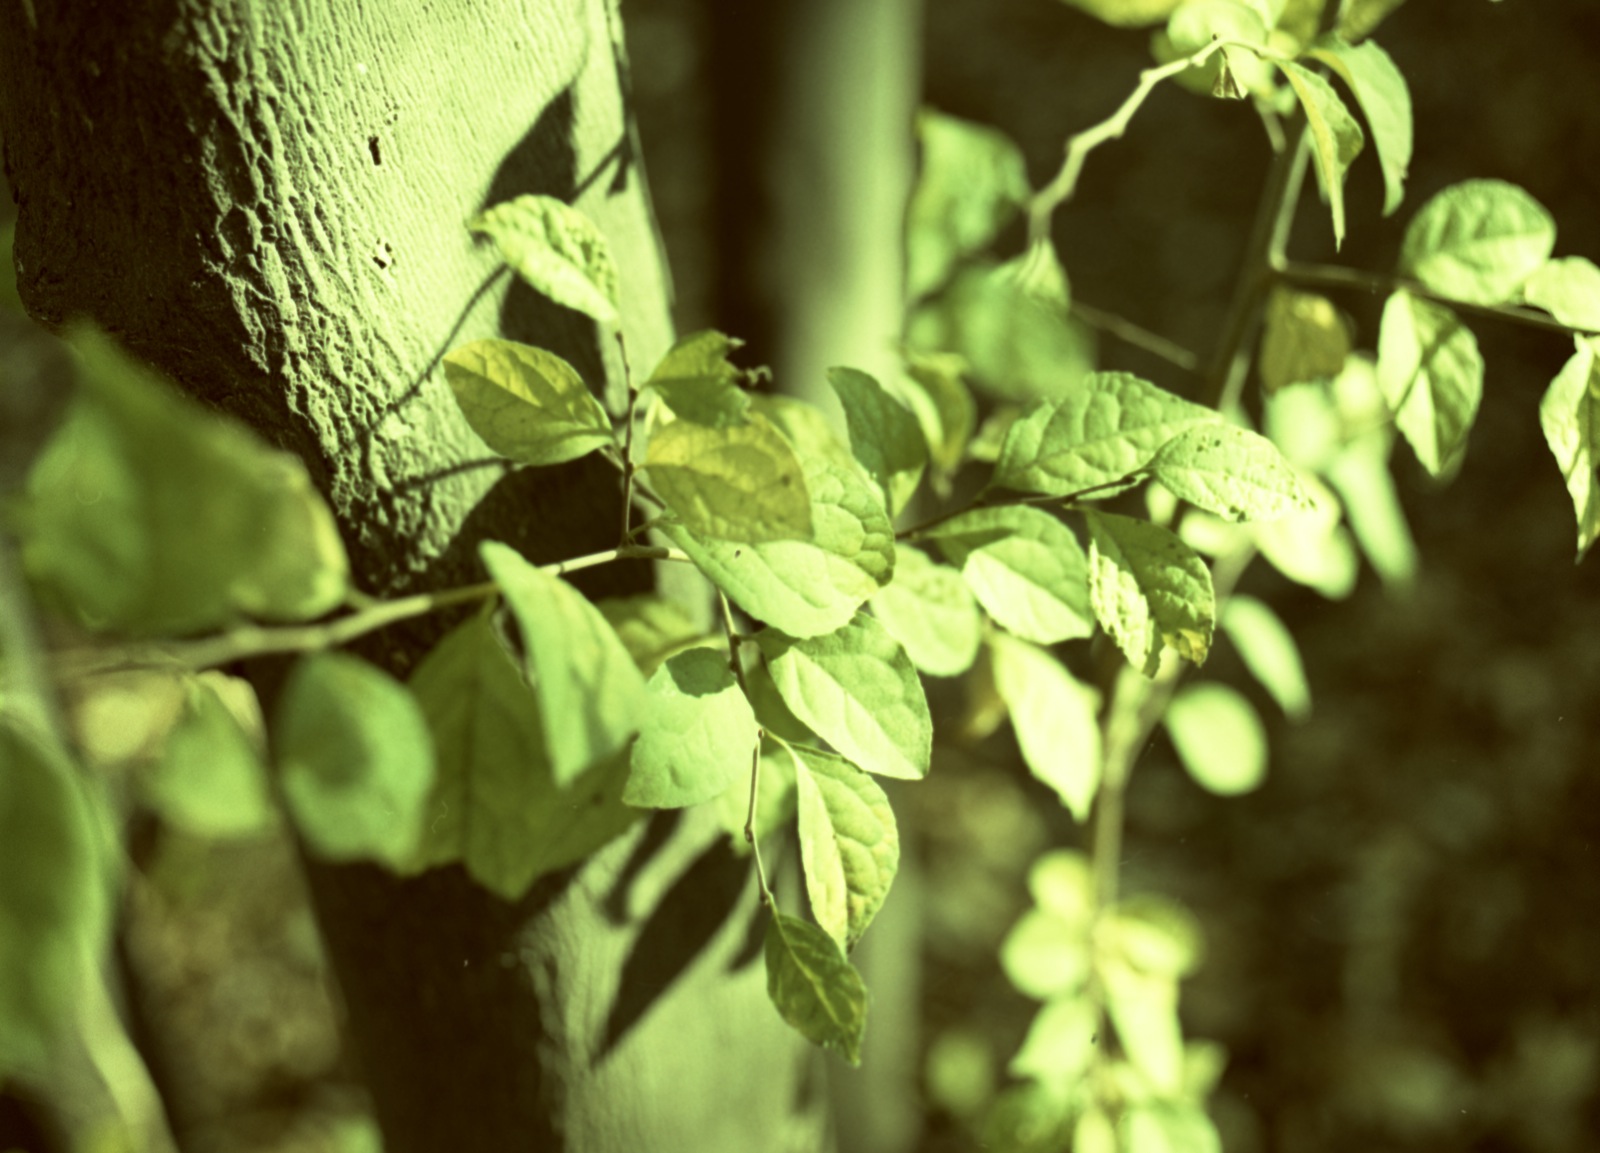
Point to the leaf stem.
(248, 641)
(1130, 333)
(1339, 278)
(750, 837)
(1042, 205)
(627, 441)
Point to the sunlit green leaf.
(1305, 338)
(1336, 137)
(651, 627)
(859, 691)
(1569, 290)
(1104, 430)
(556, 249)
(1570, 416)
(807, 429)
(1055, 720)
(1127, 13)
(1232, 472)
(589, 691)
(1219, 738)
(1060, 1042)
(1311, 548)
(495, 805)
(1025, 567)
(1149, 589)
(849, 843)
(1156, 935)
(775, 717)
(698, 383)
(1094, 1132)
(972, 181)
(884, 435)
(209, 780)
(1170, 1127)
(1362, 478)
(1478, 241)
(696, 733)
(740, 482)
(53, 904)
(527, 404)
(355, 759)
(1381, 91)
(1061, 882)
(1045, 955)
(1268, 650)
(147, 513)
(1144, 1009)
(1432, 376)
(929, 609)
(814, 986)
(1019, 343)
(943, 405)
(1357, 18)
(807, 587)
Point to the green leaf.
(1170, 1127)
(849, 843)
(884, 435)
(1195, 23)
(589, 692)
(1105, 430)
(1358, 18)
(929, 609)
(859, 691)
(1268, 650)
(1372, 506)
(525, 403)
(1570, 417)
(1094, 1132)
(1381, 91)
(1144, 1009)
(1055, 719)
(53, 903)
(1305, 338)
(741, 482)
(1432, 376)
(1045, 955)
(1232, 472)
(944, 406)
(807, 588)
(1061, 883)
(973, 180)
(209, 780)
(651, 627)
(495, 805)
(1127, 13)
(1478, 241)
(698, 383)
(1219, 738)
(1311, 548)
(1060, 1042)
(774, 717)
(1019, 343)
(697, 733)
(355, 759)
(149, 514)
(807, 430)
(814, 986)
(1148, 589)
(1569, 290)
(1026, 568)
(1335, 135)
(556, 249)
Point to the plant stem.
(750, 837)
(1337, 277)
(1043, 203)
(1131, 333)
(627, 441)
(249, 641)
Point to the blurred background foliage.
(1402, 923)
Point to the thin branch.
(249, 641)
(750, 837)
(627, 442)
(1339, 278)
(1130, 333)
(1061, 187)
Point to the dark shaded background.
(1404, 922)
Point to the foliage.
(1104, 495)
